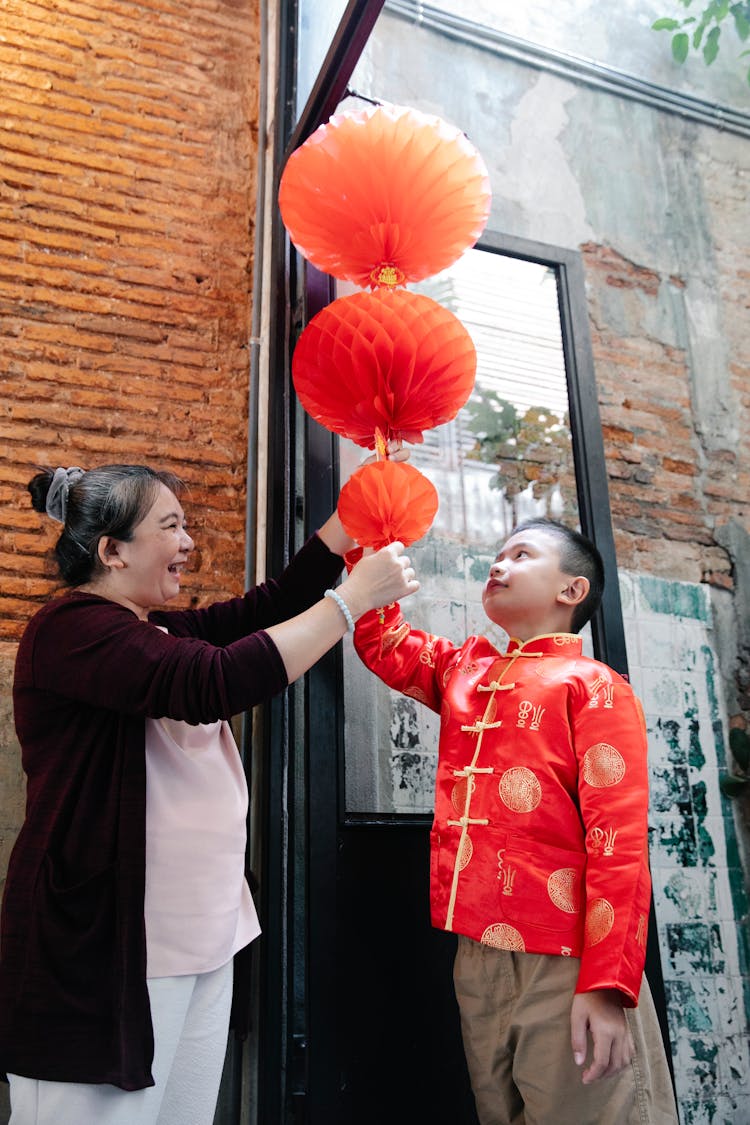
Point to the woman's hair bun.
(38, 486)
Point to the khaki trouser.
(515, 1022)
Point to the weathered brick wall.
(672, 359)
(670, 489)
(128, 137)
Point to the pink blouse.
(198, 907)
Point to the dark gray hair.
(578, 555)
(111, 500)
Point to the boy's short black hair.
(578, 555)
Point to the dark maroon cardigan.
(73, 998)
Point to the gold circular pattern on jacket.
(520, 789)
(563, 889)
(458, 794)
(600, 918)
(502, 936)
(465, 852)
(417, 693)
(603, 765)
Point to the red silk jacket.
(539, 841)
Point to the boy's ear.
(108, 550)
(575, 592)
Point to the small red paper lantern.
(384, 196)
(392, 361)
(385, 501)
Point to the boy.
(539, 843)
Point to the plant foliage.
(529, 446)
(703, 32)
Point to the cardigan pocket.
(73, 942)
(540, 885)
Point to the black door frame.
(294, 506)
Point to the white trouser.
(190, 1016)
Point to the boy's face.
(526, 591)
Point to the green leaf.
(716, 10)
(665, 25)
(732, 786)
(680, 47)
(711, 46)
(698, 35)
(741, 22)
(739, 744)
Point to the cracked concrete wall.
(656, 203)
(657, 206)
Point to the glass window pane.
(507, 456)
(317, 27)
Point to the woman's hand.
(379, 578)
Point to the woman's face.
(146, 571)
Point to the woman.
(125, 899)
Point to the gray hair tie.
(57, 497)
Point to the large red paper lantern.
(390, 361)
(385, 501)
(384, 196)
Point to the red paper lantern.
(385, 501)
(392, 361)
(384, 196)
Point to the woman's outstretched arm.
(378, 579)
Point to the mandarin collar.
(561, 644)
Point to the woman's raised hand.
(379, 578)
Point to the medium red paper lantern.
(385, 501)
(390, 361)
(384, 196)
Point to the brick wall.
(128, 134)
(673, 482)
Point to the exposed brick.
(128, 141)
(685, 468)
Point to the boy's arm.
(409, 660)
(609, 734)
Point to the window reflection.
(506, 457)
(317, 26)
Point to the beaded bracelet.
(336, 597)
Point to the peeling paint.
(699, 886)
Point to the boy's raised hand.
(600, 1013)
